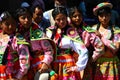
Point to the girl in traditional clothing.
(11, 51)
(8, 27)
(90, 39)
(108, 65)
(41, 48)
(64, 64)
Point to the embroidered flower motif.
(37, 33)
(20, 37)
(71, 32)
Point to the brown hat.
(100, 6)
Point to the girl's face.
(8, 26)
(76, 19)
(104, 18)
(61, 20)
(25, 20)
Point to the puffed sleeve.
(24, 57)
(24, 60)
(86, 38)
(112, 44)
(80, 48)
(98, 46)
(91, 38)
(48, 51)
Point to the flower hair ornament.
(1, 16)
(5, 15)
(100, 6)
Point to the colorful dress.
(95, 48)
(12, 57)
(3, 46)
(66, 45)
(41, 48)
(108, 65)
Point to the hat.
(25, 4)
(100, 6)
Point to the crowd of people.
(58, 44)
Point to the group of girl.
(63, 50)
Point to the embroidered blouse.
(111, 40)
(64, 41)
(92, 40)
(32, 37)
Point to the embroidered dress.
(41, 49)
(95, 47)
(4, 39)
(108, 65)
(65, 47)
(10, 56)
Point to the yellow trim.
(74, 39)
(1, 52)
(42, 39)
(22, 42)
(116, 31)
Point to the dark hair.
(4, 16)
(104, 10)
(59, 10)
(21, 11)
(72, 11)
(34, 7)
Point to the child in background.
(87, 34)
(64, 64)
(48, 14)
(38, 18)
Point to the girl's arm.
(98, 46)
(48, 55)
(112, 44)
(91, 38)
(24, 60)
(83, 56)
(24, 57)
(48, 51)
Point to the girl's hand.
(69, 69)
(98, 34)
(44, 68)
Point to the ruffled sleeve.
(48, 51)
(112, 44)
(83, 55)
(24, 60)
(91, 38)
